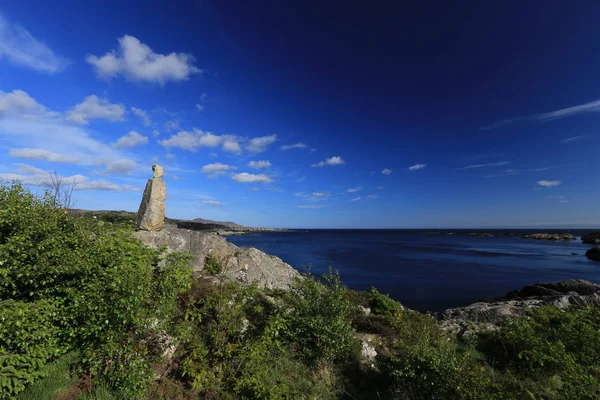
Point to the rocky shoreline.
(488, 314)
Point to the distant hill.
(226, 224)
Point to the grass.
(57, 381)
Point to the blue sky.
(310, 115)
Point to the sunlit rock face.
(151, 215)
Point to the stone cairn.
(151, 215)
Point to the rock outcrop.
(593, 254)
(591, 238)
(550, 236)
(243, 265)
(563, 295)
(151, 214)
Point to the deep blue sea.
(428, 271)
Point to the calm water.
(430, 271)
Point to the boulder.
(591, 238)
(593, 254)
(563, 295)
(151, 214)
(243, 265)
(550, 236)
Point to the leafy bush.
(68, 283)
(317, 319)
(557, 352)
(212, 265)
(382, 304)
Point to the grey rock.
(151, 214)
(593, 254)
(243, 265)
(591, 238)
(562, 295)
(550, 236)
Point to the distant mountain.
(227, 224)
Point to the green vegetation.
(89, 312)
(212, 265)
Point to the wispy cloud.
(20, 47)
(212, 203)
(417, 167)
(386, 171)
(142, 115)
(313, 206)
(34, 176)
(314, 196)
(548, 184)
(593, 106)
(330, 161)
(572, 139)
(293, 146)
(496, 164)
(373, 196)
(355, 199)
(45, 155)
(259, 144)
(356, 189)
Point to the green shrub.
(318, 318)
(68, 283)
(212, 265)
(557, 352)
(382, 304)
(28, 339)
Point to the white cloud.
(121, 167)
(417, 167)
(313, 150)
(259, 164)
(130, 140)
(20, 47)
(593, 106)
(373, 196)
(245, 177)
(314, 197)
(259, 144)
(293, 146)
(155, 132)
(94, 107)
(354, 190)
(571, 139)
(232, 146)
(199, 107)
(312, 206)
(216, 169)
(138, 62)
(549, 183)
(30, 175)
(40, 154)
(355, 199)
(330, 161)
(212, 203)
(171, 125)
(198, 138)
(141, 114)
(55, 136)
(20, 102)
(386, 171)
(496, 164)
